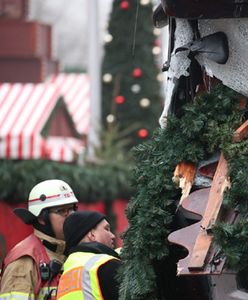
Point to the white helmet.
(50, 193)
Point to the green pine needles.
(207, 126)
(90, 183)
(130, 49)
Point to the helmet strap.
(47, 227)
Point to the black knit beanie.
(78, 224)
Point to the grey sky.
(70, 27)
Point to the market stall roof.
(26, 109)
(75, 89)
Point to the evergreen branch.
(205, 127)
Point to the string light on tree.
(160, 77)
(144, 102)
(135, 88)
(142, 133)
(119, 99)
(108, 38)
(137, 73)
(156, 50)
(110, 118)
(156, 31)
(107, 78)
(144, 2)
(131, 78)
(124, 5)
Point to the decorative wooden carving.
(204, 238)
(203, 257)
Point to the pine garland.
(90, 183)
(233, 238)
(206, 126)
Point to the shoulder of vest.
(33, 247)
(30, 246)
(78, 259)
(90, 254)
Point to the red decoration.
(242, 103)
(143, 133)
(124, 5)
(119, 99)
(157, 43)
(137, 73)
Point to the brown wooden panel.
(220, 183)
(26, 70)
(196, 202)
(25, 39)
(241, 133)
(204, 239)
(203, 256)
(13, 9)
(61, 124)
(186, 237)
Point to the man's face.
(57, 217)
(103, 234)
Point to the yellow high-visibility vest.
(79, 280)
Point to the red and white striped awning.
(64, 148)
(75, 89)
(25, 109)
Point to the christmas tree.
(131, 89)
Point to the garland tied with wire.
(206, 126)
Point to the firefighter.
(91, 268)
(32, 268)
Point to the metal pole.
(94, 70)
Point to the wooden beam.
(241, 133)
(205, 236)
(198, 238)
(220, 183)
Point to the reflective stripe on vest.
(79, 280)
(44, 291)
(28, 296)
(17, 296)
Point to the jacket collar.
(94, 247)
(51, 243)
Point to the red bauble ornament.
(143, 133)
(242, 103)
(157, 43)
(124, 5)
(137, 73)
(119, 99)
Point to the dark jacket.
(107, 272)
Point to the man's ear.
(91, 236)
